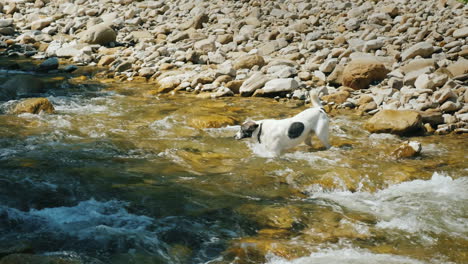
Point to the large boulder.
(361, 72)
(247, 62)
(33, 106)
(100, 34)
(400, 122)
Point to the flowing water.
(120, 175)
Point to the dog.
(280, 135)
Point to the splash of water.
(411, 206)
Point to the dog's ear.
(249, 126)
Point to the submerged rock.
(33, 106)
(400, 122)
(212, 121)
(21, 86)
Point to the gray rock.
(49, 64)
(123, 66)
(282, 71)
(411, 77)
(374, 44)
(450, 106)
(254, 82)
(41, 23)
(6, 22)
(461, 33)
(280, 85)
(328, 65)
(100, 34)
(206, 45)
(423, 49)
(444, 94)
(424, 81)
(67, 52)
(352, 24)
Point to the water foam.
(345, 256)
(438, 205)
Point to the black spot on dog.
(295, 130)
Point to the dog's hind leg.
(322, 132)
(308, 139)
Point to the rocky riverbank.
(364, 55)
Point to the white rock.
(374, 44)
(328, 65)
(424, 81)
(254, 82)
(461, 33)
(280, 85)
(423, 49)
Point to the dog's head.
(246, 130)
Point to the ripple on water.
(345, 256)
(438, 205)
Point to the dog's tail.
(314, 99)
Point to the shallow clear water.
(121, 175)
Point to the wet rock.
(100, 34)
(70, 68)
(33, 106)
(361, 72)
(272, 217)
(408, 149)
(212, 121)
(248, 61)
(254, 82)
(14, 247)
(255, 249)
(39, 259)
(49, 65)
(401, 122)
(20, 86)
(423, 49)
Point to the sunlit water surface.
(120, 175)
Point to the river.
(121, 175)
